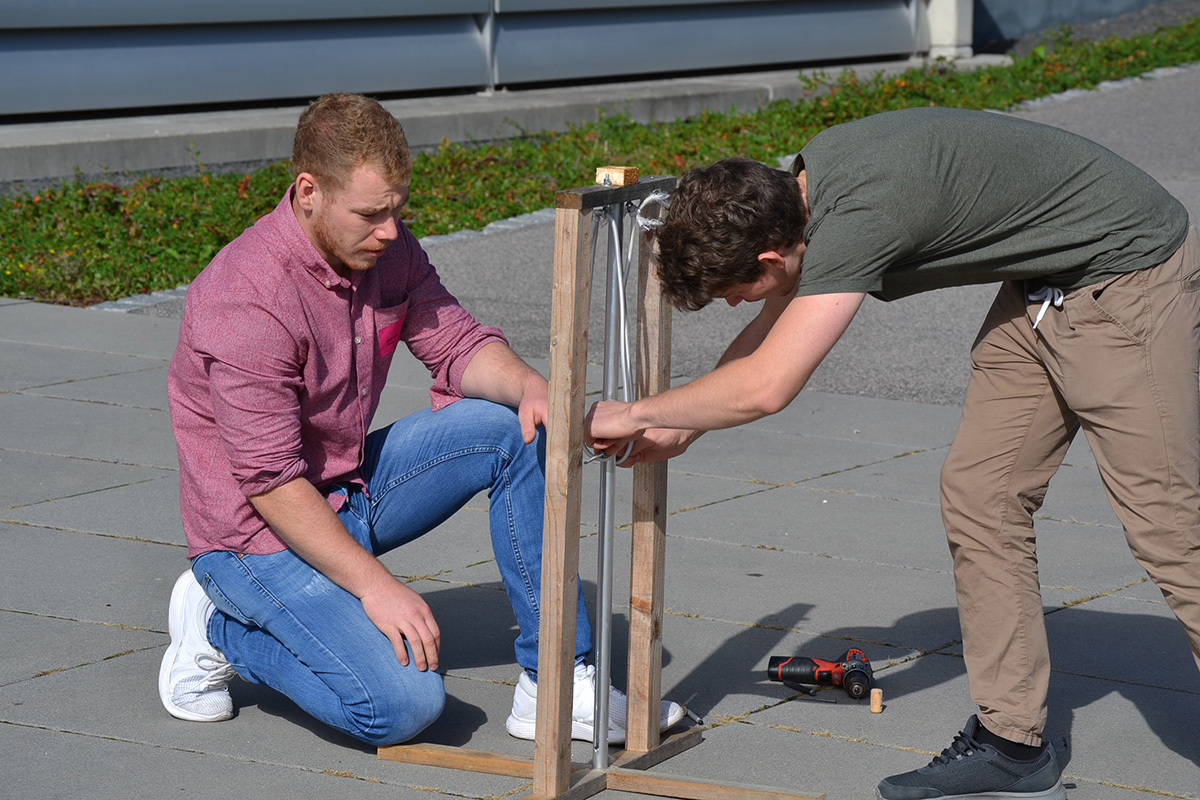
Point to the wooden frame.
(553, 774)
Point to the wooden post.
(564, 474)
(648, 557)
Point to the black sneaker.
(967, 769)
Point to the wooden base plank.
(461, 758)
(584, 784)
(663, 785)
(516, 765)
(669, 746)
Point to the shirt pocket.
(389, 324)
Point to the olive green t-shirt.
(919, 199)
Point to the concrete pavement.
(801, 533)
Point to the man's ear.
(771, 259)
(307, 191)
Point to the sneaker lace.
(961, 747)
(219, 671)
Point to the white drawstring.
(657, 196)
(1046, 295)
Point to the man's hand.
(608, 426)
(401, 614)
(534, 409)
(659, 444)
(498, 374)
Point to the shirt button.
(364, 392)
(328, 283)
(358, 340)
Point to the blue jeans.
(283, 624)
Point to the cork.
(877, 701)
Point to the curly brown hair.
(720, 219)
(338, 133)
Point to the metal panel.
(130, 68)
(122, 13)
(544, 47)
(523, 6)
(90, 55)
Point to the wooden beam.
(571, 296)
(584, 784)
(663, 785)
(463, 758)
(521, 765)
(589, 197)
(648, 556)
(672, 744)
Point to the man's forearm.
(303, 519)
(733, 394)
(498, 374)
(750, 337)
(742, 389)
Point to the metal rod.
(608, 476)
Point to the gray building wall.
(88, 56)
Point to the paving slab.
(1081, 561)
(907, 425)
(86, 577)
(52, 369)
(1082, 636)
(144, 506)
(23, 322)
(79, 429)
(1154, 749)
(142, 388)
(808, 593)
(64, 765)
(28, 480)
(39, 645)
(824, 524)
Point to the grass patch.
(86, 242)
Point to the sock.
(1014, 750)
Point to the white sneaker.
(521, 722)
(194, 677)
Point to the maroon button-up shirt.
(280, 366)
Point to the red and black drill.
(852, 671)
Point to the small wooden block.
(616, 176)
(877, 701)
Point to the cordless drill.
(852, 671)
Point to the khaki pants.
(1118, 359)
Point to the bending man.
(1096, 326)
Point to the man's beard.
(340, 260)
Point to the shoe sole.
(1055, 792)
(175, 625)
